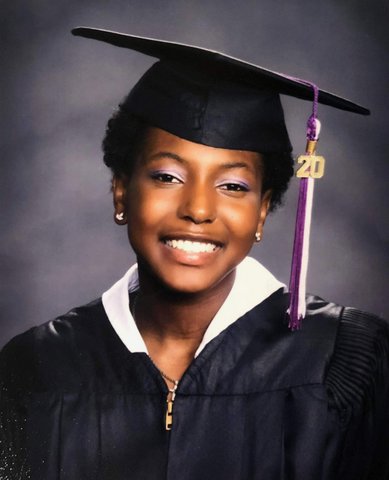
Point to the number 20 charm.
(312, 166)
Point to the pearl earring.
(258, 237)
(120, 218)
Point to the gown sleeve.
(358, 386)
(13, 380)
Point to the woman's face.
(192, 210)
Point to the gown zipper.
(170, 401)
(171, 395)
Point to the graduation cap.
(210, 98)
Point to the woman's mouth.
(189, 246)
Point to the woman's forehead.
(161, 145)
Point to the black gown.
(259, 402)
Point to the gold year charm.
(312, 166)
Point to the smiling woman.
(185, 368)
(193, 212)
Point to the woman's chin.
(185, 281)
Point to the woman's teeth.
(191, 247)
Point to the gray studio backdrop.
(59, 245)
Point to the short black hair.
(125, 136)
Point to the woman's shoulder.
(340, 347)
(56, 330)
(58, 345)
(350, 329)
(356, 335)
(358, 373)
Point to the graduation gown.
(259, 402)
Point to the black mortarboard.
(210, 98)
(213, 99)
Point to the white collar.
(253, 284)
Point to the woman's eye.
(234, 187)
(165, 177)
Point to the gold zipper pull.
(170, 397)
(169, 415)
(169, 410)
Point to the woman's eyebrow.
(171, 155)
(223, 166)
(237, 164)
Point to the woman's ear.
(119, 190)
(264, 210)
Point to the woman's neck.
(172, 325)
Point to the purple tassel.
(298, 275)
(295, 317)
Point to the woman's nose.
(198, 204)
